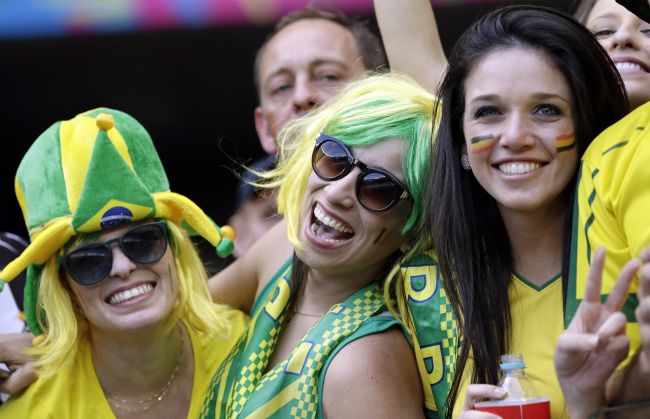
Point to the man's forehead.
(309, 42)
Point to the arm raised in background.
(239, 284)
(411, 39)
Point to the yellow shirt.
(76, 393)
(537, 322)
(612, 199)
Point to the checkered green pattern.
(449, 328)
(435, 326)
(290, 389)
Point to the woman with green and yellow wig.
(116, 293)
(321, 341)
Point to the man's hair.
(369, 45)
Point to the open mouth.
(329, 229)
(130, 294)
(518, 168)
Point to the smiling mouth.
(328, 229)
(130, 294)
(518, 168)
(625, 65)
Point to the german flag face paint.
(565, 142)
(482, 143)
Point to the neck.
(536, 241)
(320, 292)
(135, 365)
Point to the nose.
(342, 192)
(624, 37)
(122, 266)
(517, 134)
(305, 96)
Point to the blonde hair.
(377, 107)
(65, 326)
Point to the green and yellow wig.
(93, 172)
(377, 107)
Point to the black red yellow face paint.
(381, 237)
(482, 143)
(565, 142)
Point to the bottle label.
(518, 409)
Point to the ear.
(407, 245)
(264, 132)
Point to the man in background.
(307, 59)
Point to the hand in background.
(11, 353)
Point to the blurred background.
(183, 68)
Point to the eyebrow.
(608, 15)
(537, 96)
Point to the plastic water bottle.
(522, 400)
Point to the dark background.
(192, 89)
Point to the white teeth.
(320, 216)
(518, 168)
(628, 66)
(314, 228)
(120, 297)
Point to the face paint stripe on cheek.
(171, 280)
(565, 142)
(381, 238)
(482, 143)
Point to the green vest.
(293, 388)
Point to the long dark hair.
(470, 237)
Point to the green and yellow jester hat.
(93, 172)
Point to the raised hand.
(595, 343)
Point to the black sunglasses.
(89, 264)
(377, 189)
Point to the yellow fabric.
(176, 207)
(76, 152)
(537, 322)
(75, 393)
(44, 244)
(613, 199)
(21, 199)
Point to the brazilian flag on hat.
(93, 172)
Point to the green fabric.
(106, 165)
(30, 296)
(293, 388)
(143, 153)
(435, 327)
(41, 179)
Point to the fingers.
(572, 349)
(644, 282)
(20, 378)
(477, 392)
(645, 254)
(595, 275)
(619, 293)
(474, 414)
(11, 347)
(612, 327)
(569, 343)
